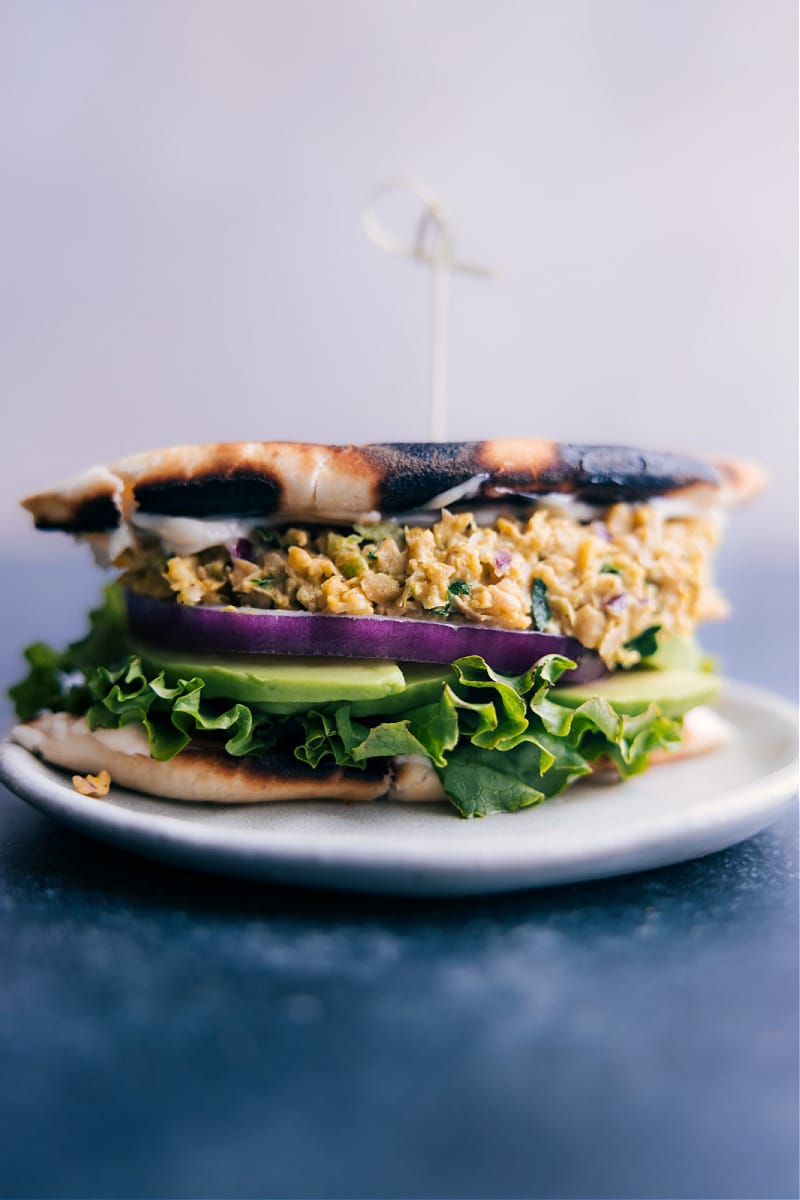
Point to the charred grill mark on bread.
(243, 494)
(608, 474)
(314, 482)
(98, 514)
(411, 474)
(297, 778)
(88, 503)
(602, 474)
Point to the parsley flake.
(645, 643)
(540, 609)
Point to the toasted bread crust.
(320, 483)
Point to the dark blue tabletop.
(179, 1035)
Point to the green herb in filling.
(458, 587)
(268, 538)
(645, 643)
(540, 609)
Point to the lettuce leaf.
(479, 782)
(498, 742)
(172, 716)
(57, 679)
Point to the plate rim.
(330, 856)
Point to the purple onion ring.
(180, 627)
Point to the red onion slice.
(269, 631)
(241, 548)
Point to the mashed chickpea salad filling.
(604, 582)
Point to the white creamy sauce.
(121, 539)
(107, 547)
(463, 491)
(190, 535)
(671, 507)
(569, 506)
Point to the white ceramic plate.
(670, 814)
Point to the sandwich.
(479, 622)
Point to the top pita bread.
(327, 483)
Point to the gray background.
(182, 257)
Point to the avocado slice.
(675, 691)
(677, 651)
(281, 683)
(424, 683)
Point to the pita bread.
(347, 483)
(200, 773)
(204, 774)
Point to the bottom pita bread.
(202, 773)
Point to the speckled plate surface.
(670, 814)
